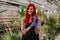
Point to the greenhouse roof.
(42, 3)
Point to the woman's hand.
(25, 30)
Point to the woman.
(29, 24)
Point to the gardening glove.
(34, 23)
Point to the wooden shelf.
(9, 28)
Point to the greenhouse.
(12, 12)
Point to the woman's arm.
(23, 30)
(26, 30)
(37, 28)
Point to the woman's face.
(30, 10)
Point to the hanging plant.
(21, 10)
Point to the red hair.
(26, 19)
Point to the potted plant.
(14, 24)
(2, 26)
